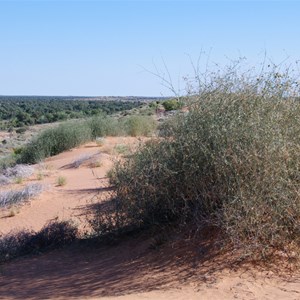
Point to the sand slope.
(131, 269)
(83, 184)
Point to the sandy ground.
(133, 268)
(83, 185)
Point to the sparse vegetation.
(4, 180)
(19, 180)
(100, 141)
(40, 176)
(14, 210)
(121, 149)
(15, 174)
(7, 161)
(61, 181)
(14, 197)
(95, 163)
(53, 235)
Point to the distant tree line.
(18, 111)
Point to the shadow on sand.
(90, 270)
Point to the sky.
(116, 48)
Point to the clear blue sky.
(103, 47)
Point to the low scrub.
(7, 161)
(16, 173)
(139, 125)
(23, 171)
(126, 126)
(232, 162)
(55, 140)
(51, 236)
(70, 134)
(172, 104)
(15, 197)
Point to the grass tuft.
(61, 181)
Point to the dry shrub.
(53, 235)
(19, 171)
(12, 197)
(232, 162)
(61, 181)
(107, 218)
(4, 180)
(16, 173)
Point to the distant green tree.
(172, 104)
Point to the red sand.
(129, 270)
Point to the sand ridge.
(129, 270)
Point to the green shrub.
(56, 140)
(172, 104)
(128, 125)
(139, 125)
(21, 130)
(70, 134)
(105, 126)
(18, 151)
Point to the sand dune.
(131, 269)
(66, 202)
